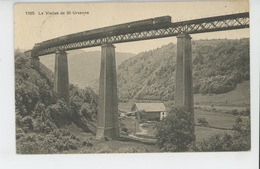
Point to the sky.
(32, 28)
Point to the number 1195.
(30, 13)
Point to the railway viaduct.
(107, 119)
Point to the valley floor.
(124, 144)
(219, 123)
(217, 110)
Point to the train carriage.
(105, 32)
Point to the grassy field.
(205, 133)
(240, 97)
(217, 119)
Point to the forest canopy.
(218, 66)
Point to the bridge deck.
(210, 24)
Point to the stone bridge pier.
(184, 86)
(61, 75)
(35, 61)
(107, 118)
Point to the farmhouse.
(149, 111)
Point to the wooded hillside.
(41, 116)
(218, 66)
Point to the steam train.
(105, 31)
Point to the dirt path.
(141, 138)
(142, 132)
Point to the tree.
(203, 122)
(175, 132)
(142, 115)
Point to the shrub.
(218, 142)
(59, 113)
(123, 128)
(65, 132)
(142, 116)
(35, 144)
(239, 141)
(87, 143)
(19, 133)
(203, 122)
(240, 129)
(247, 112)
(18, 120)
(65, 143)
(222, 142)
(235, 112)
(213, 107)
(85, 113)
(176, 131)
(27, 124)
(44, 126)
(58, 140)
(70, 144)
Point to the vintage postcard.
(132, 77)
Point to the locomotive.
(106, 31)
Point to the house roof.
(150, 107)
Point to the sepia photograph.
(132, 77)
